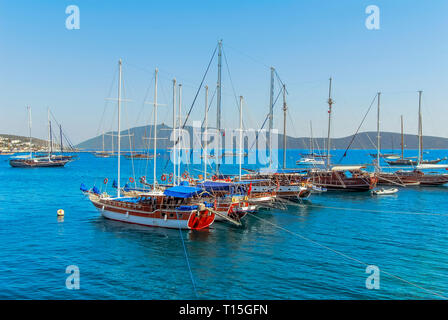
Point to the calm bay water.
(276, 255)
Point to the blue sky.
(71, 71)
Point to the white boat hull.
(152, 222)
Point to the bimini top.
(182, 191)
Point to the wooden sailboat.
(432, 178)
(177, 207)
(409, 161)
(103, 154)
(33, 161)
(340, 177)
(389, 178)
(62, 155)
(282, 185)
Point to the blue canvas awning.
(182, 191)
(216, 186)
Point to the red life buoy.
(131, 180)
(163, 177)
(185, 175)
(142, 179)
(105, 180)
(170, 178)
(214, 178)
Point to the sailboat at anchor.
(176, 207)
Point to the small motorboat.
(310, 161)
(383, 191)
(317, 189)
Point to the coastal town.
(10, 145)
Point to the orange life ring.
(185, 175)
(163, 177)
(105, 180)
(200, 177)
(131, 180)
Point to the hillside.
(364, 140)
(22, 139)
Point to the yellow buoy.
(60, 212)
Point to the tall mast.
(180, 126)
(420, 130)
(119, 126)
(51, 139)
(311, 139)
(103, 141)
(218, 101)
(271, 114)
(285, 108)
(205, 133)
(378, 137)
(330, 103)
(49, 132)
(155, 128)
(174, 131)
(241, 135)
(112, 141)
(60, 133)
(29, 128)
(402, 138)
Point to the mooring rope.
(186, 258)
(349, 257)
(378, 211)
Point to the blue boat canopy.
(182, 191)
(272, 171)
(215, 185)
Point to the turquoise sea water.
(313, 251)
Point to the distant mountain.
(364, 140)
